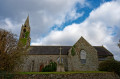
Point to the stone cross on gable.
(119, 44)
(60, 54)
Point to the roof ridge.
(107, 50)
(98, 46)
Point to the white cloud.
(43, 13)
(95, 29)
(10, 26)
(72, 15)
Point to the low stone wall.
(68, 76)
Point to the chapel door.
(41, 67)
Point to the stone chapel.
(82, 56)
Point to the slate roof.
(54, 50)
(49, 50)
(102, 51)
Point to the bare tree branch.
(10, 52)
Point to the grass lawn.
(61, 72)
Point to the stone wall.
(74, 63)
(33, 62)
(69, 76)
(104, 58)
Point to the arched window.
(58, 60)
(83, 56)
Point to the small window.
(83, 56)
(24, 30)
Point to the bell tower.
(25, 34)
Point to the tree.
(11, 54)
(110, 66)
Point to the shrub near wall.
(111, 66)
(72, 51)
(50, 67)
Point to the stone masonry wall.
(33, 62)
(68, 76)
(74, 63)
(105, 58)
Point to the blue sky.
(63, 22)
(86, 9)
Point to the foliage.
(23, 41)
(26, 34)
(110, 65)
(50, 67)
(11, 53)
(74, 46)
(6, 75)
(73, 51)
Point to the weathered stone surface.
(68, 76)
(60, 68)
(25, 29)
(71, 63)
(74, 63)
(105, 58)
(39, 60)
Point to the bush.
(110, 66)
(50, 67)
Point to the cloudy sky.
(63, 22)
